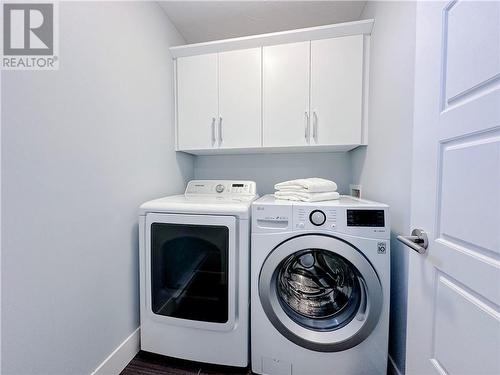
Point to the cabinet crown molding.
(281, 37)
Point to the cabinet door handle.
(220, 130)
(315, 126)
(213, 131)
(306, 128)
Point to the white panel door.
(197, 102)
(240, 82)
(286, 95)
(454, 288)
(336, 90)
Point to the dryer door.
(320, 292)
(190, 270)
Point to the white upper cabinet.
(240, 99)
(298, 90)
(286, 95)
(197, 103)
(336, 90)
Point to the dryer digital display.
(365, 218)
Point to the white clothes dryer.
(320, 287)
(194, 264)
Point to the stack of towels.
(307, 190)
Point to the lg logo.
(28, 29)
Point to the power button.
(219, 188)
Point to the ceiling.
(202, 21)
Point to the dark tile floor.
(145, 363)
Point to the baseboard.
(392, 369)
(121, 356)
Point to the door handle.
(306, 128)
(315, 126)
(220, 130)
(213, 131)
(418, 241)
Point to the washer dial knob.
(317, 217)
(219, 188)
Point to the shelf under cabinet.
(272, 150)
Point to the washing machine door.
(320, 292)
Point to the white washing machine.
(194, 264)
(320, 280)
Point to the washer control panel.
(310, 217)
(220, 187)
(349, 216)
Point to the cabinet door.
(286, 94)
(197, 104)
(240, 98)
(336, 90)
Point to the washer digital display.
(365, 218)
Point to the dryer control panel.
(220, 188)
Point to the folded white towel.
(306, 197)
(308, 185)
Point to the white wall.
(384, 167)
(269, 169)
(82, 147)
